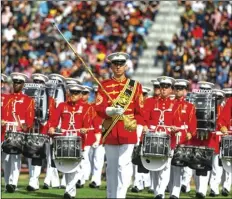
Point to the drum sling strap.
(123, 100)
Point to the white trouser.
(63, 181)
(186, 178)
(29, 167)
(71, 179)
(52, 176)
(152, 179)
(85, 173)
(171, 179)
(34, 178)
(98, 162)
(227, 180)
(161, 179)
(119, 169)
(216, 175)
(12, 165)
(176, 181)
(202, 183)
(141, 180)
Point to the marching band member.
(216, 173)
(43, 128)
(160, 112)
(88, 117)
(185, 118)
(141, 180)
(201, 181)
(225, 125)
(156, 95)
(119, 126)
(52, 175)
(19, 109)
(70, 113)
(98, 151)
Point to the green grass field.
(85, 192)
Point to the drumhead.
(227, 164)
(67, 166)
(154, 164)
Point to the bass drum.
(56, 90)
(39, 93)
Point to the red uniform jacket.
(160, 112)
(69, 112)
(184, 117)
(24, 110)
(88, 122)
(119, 135)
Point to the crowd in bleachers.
(203, 49)
(95, 28)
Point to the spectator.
(161, 53)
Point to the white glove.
(97, 142)
(112, 111)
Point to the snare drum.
(156, 145)
(13, 143)
(226, 147)
(35, 145)
(67, 147)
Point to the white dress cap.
(75, 87)
(207, 85)
(219, 92)
(228, 91)
(71, 81)
(95, 88)
(38, 76)
(166, 80)
(181, 82)
(145, 89)
(3, 78)
(19, 76)
(155, 82)
(118, 56)
(55, 76)
(87, 89)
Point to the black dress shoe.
(225, 192)
(173, 197)
(30, 188)
(78, 185)
(67, 196)
(10, 188)
(183, 189)
(135, 189)
(212, 193)
(160, 196)
(45, 186)
(93, 185)
(200, 195)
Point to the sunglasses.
(38, 81)
(75, 92)
(179, 88)
(119, 63)
(156, 87)
(18, 82)
(84, 92)
(165, 86)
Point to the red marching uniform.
(63, 111)
(184, 117)
(4, 99)
(119, 135)
(23, 106)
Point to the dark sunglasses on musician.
(119, 63)
(179, 88)
(156, 86)
(75, 92)
(165, 86)
(84, 92)
(18, 82)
